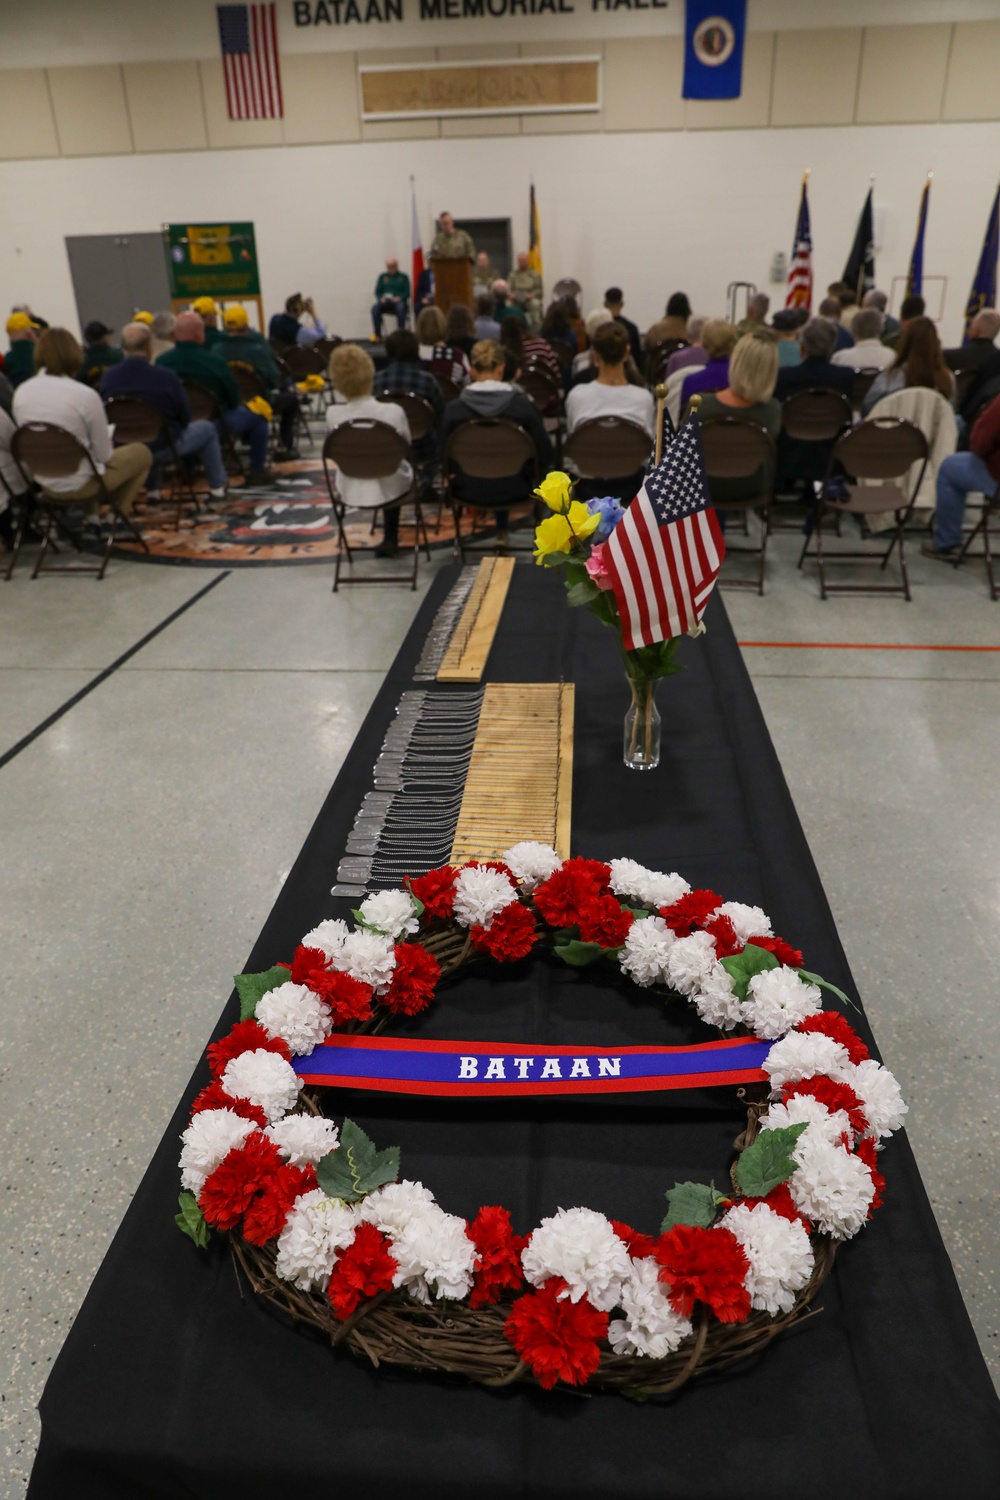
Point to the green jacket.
(193, 362)
(19, 361)
(96, 358)
(213, 336)
(249, 351)
(395, 284)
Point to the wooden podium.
(452, 283)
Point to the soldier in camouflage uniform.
(451, 243)
(526, 290)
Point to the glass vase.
(642, 726)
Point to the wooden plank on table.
(470, 646)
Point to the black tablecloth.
(172, 1383)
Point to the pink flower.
(598, 572)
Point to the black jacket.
(497, 399)
(813, 371)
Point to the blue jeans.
(243, 422)
(396, 307)
(960, 474)
(198, 439)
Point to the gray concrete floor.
(145, 835)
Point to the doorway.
(116, 274)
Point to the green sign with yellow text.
(211, 260)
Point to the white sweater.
(67, 403)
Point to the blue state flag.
(915, 275)
(713, 48)
(984, 284)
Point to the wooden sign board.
(402, 91)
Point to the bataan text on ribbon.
(402, 1066)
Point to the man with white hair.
(694, 356)
(979, 343)
(868, 351)
(879, 301)
(137, 376)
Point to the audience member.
(786, 324)
(526, 289)
(143, 317)
(522, 348)
(673, 325)
(575, 320)
(404, 376)
(757, 310)
(353, 374)
(868, 351)
(37, 322)
(98, 353)
(610, 394)
(979, 342)
(53, 394)
(879, 300)
(450, 243)
(503, 308)
(718, 340)
(209, 313)
(13, 486)
(847, 296)
(298, 324)
(817, 341)
(162, 328)
(583, 370)
(19, 362)
(243, 347)
(918, 362)
(749, 396)
(489, 395)
(830, 308)
(486, 325)
(137, 376)
(556, 327)
(392, 295)
(694, 356)
(443, 360)
(188, 358)
(484, 273)
(614, 301)
(912, 306)
(460, 329)
(962, 474)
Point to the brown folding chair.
(882, 449)
(419, 412)
(540, 386)
(990, 511)
(863, 382)
(485, 448)
(301, 362)
(735, 448)
(964, 381)
(205, 408)
(365, 449)
(658, 356)
(563, 353)
(608, 448)
(449, 390)
(137, 421)
(814, 415)
(45, 451)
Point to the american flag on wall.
(665, 555)
(248, 36)
(800, 272)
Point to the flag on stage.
(800, 272)
(859, 273)
(915, 275)
(665, 555)
(984, 284)
(417, 267)
(248, 36)
(534, 236)
(713, 48)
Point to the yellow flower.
(555, 491)
(553, 535)
(582, 523)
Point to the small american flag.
(665, 555)
(248, 36)
(800, 272)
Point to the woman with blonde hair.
(749, 396)
(718, 339)
(352, 374)
(444, 360)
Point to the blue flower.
(610, 510)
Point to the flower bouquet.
(574, 538)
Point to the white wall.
(652, 212)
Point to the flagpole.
(660, 392)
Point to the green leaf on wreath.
(578, 953)
(253, 987)
(768, 1161)
(191, 1220)
(356, 1169)
(691, 1203)
(826, 985)
(741, 967)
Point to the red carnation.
(639, 1246)
(265, 1218)
(781, 1201)
(833, 1095)
(436, 890)
(304, 963)
(705, 1265)
(246, 1036)
(726, 940)
(869, 1155)
(348, 999)
(510, 936)
(491, 864)
(498, 1258)
(413, 980)
(691, 912)
(214, 1096)
(364, 1268)
(832, 1024)
(240, 1176)
(557, 1340)
(783, 952)
(604, 920)
(576, 882)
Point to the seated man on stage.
(423, 295)
(484, 273)
(392, 295)
(451, 243)
(526, 289)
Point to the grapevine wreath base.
(322, 1228)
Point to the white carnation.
(390, 912)
(434, 1255)
(646, 950)
(391, 1208)
(265, 1079)
(367, 957)
(580, 1246)
(715, 1002)
(830, 1125)
(315, 1232)
(651, 1326)
(778, 1000)
(531, 862)
(304, 1140)
(779, 1252)
(691, 961)
(327, 937)
(830, 1186)
(749, 921)
(481, 893)
(293, 1013)
(209, 1138)
(880, 1096)
(629, 878)
(803, 1054)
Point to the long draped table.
(176, 1381)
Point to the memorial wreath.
(321, 1225)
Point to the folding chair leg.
(902, 566)
(343, 546)
(46, 535)
(994, 592)
(765, 525)
(416, 551)
(422, 525)
(22, 526)
(819, 556)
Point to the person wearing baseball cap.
(208, 312)
(243, 346)
(143, 317)
(19, 363)
(99, 352)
